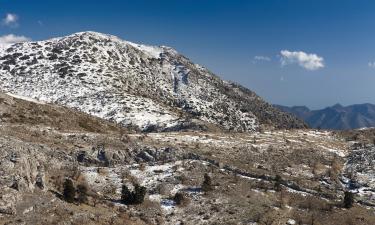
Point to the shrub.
(163, 189)
(207, 183)
(110, 189)
(277, 184)
(183, 179)
(348, 199)
(126, 195)
(139, 194)
(133, 197)
(82, 193)
(180, 199)
(69, 190)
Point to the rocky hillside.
(278, 177)
(336, 117)
(22, 111)
(151, 88)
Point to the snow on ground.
(299, 171)
(25, 98)
(360, 162)
(152, 51)
(100, 179)
(151, 176)
(338, 152)
(262, 141)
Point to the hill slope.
(336, 117)
(152, 88)
(272, 177)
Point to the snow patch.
(25, 98)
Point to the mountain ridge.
(336, 117)
(149, 87)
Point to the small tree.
(207, 183)
(82, 193)
(139, 194)
(348, 199)
(180, 199)
(126, 195)
(133, 197)
(69, 190)
(277, 184)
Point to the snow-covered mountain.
(152, 88)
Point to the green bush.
(180, 199)
(133, 197)
(348, 199)
(139, 194)
(69, 190)
(82, 193)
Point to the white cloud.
(262, 58)
(11, 20)
(305, 60)
(371, 64)
(11, 39)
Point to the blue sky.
(292, 52)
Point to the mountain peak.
(91, 33)
(337, 106)
(92, 37)
(95, 35)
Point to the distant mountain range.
(336, 117)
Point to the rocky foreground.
(269, 177)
